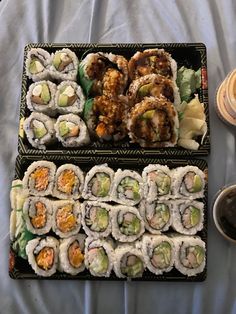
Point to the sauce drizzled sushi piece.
(37, 63)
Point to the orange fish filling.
(39, 220)
(40, 175)
(66, 220)
(66, 181)
(75, 255)
(45, 257)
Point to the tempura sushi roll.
(37, 213)
(71, 131)
(98, 183)
(39, 129)
(159, 253)
(40, 97)
(128, 262)
(71, 254)
(96, 219)
(157, 215)
(69, 182)
(39, 178)
(157, 182)
(127, 223)
(99, 257)
(127, 187)
(191, 255)
(43, 255)
(69, 98)
(153, 123)
(188, 217)
(149, 61)
(188, 181)
(66, 218)
(37, 64)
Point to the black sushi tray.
(19, 267)
(191, 55)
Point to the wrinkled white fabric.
(210, 22)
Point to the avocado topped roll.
(99, 257)
(39, 129)
(149, 61)
(40, 97)
(64, 65)
(96, 219)
(153, 123)
(71, 131)
(98, 182)
(69, 182)
(37, 64)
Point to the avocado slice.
(101, 263)
(195, 215)
(165, 213)
(133, 271)
(199, 251)
(197, 184)
(148, 114)
(39, 132)
(56, 60)
(103, 219)
(45, 94)
(105, 184)
(144, 90)
(63, 100)
(33, 66)
(63, 128)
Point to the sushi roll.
(39, 178)
(153, 123)
(39, 129)
(159, 253)
(190, 255)
(37, 213)
(128, 262)
(153, 85)
(188, 217)
(69, 98)
(189, 182)
(127, 224)
(71, 131)
(98, 183)
(127, 187)
(66, 218)
(64, 65)
(96, 219)
(37, 64)
(71, 254)
(103, 74)
(99, 257)
(40, 97)
(43, 255)
(157, 182)
(157, 215)
(69, 182)
(149, 61)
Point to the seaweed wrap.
(37, 64)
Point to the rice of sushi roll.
(153, 123)
(188, 181)
(39, 178)
(127, 187)
(38, 214)
(43, 255)
(98, 183)
(66, 218)
(128, 261)
(39, 129)
(64, 65)
(37, 64)
(71, 254)
(96, 219)
(127, 223)
(149, 61)
(188, 217)
(157, 215)
(99, 257)
(159, 253)
(69, 98)
(69, 182)
(71, 131)
(157, 182)
(190, 255)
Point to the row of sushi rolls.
(107, 221)
(105, 97)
